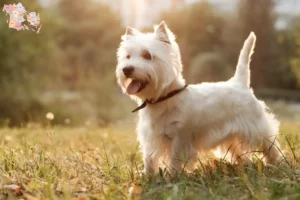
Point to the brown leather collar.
(169, 95)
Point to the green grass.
(94, 163)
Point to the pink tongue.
(133, 87)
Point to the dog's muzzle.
(128, 71)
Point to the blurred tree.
(268, 67)
(89, 39)
(290, 45)
(207, 67)
(198, 30)
(27, 65)
(75, 50)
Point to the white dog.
(176, 121)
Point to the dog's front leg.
(149, 148)
(150, 163)
(180, 154)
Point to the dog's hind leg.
(270, 145)
(271, 150)
(232, 151)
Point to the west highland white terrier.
(176, 121)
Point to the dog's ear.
(163, 33)
(130, 32)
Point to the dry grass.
(93, 163)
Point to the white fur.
(222, 116)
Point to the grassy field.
(93, 163)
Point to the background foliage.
(225, 34)
(68, 69)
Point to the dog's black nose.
(128, 70)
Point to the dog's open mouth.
(134, 86)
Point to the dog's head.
(148, 63)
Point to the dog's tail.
(242, 73)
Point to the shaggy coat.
(225, 117)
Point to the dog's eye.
(146, 55)
(128, 56)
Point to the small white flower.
(7, 138)
(50, 116)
